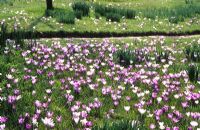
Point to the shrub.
(129, 14)
(124, 57)
(3, 68)
(99, 9)
(78, 14)
(130, 57)
(162, 55)
(188, 1)
(139, 56)
(3, 34)
(19, 37)
(81, 6)
(113, 17)
(66, 18)
(149, 14)
(153, 12)
(49, 13)
(97, 15)
(193, 73)
(104, 10)
(118, 125)
(192, 53)
(9, 2)
(62, 16)
(176, 19)
(186, 11)
(175, 15)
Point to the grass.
(30, 15)
(107, 80)
(81, 6)
(13, 59)
(62, 16)
(121, 12)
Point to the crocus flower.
(21, 120)
(194, 123)
(59, 119)
(2, 127)
(48, 122)
(142, 111)
(3, 119)
(28, 126)
(127, 108)
(152, 126)
(88, 124)
(9, 76)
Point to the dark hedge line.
(63, 34)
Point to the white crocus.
(48, 122)
(35, 122)
(9, 76)
(172, 107)
(2, 127)
(161, 125)
(76, 120)
(159, 99)
(176, 96)
(142, 111)
(188, 114)
(127, 108)
(194, 123)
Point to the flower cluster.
(79, 84)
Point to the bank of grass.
(31, 15)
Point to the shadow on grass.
(34, 23)
(61, 15)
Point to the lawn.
(90, 83)
(49, 81)
(151, 16)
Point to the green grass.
(15, 60)
(31, 15)
(61, 16)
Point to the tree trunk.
(49, 4)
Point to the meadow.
(109, 83)
(165, 16)
(101, 84)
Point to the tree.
(49, 4)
